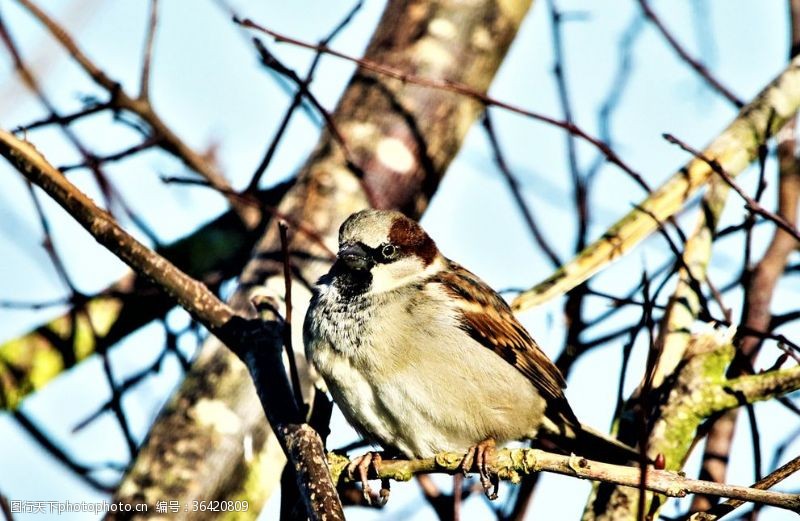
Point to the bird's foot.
(479, 455)
(362, 465)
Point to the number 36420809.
(219, 506)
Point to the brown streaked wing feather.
(489, 320)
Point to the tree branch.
(512, 464)
(751, 204)
(750, 389)
(698, 67)
(729, 506)
(734, 149)
(119, 99)
(455, 87)
(189, 293)
(407, 136)
(147, 54)
(257, 343)
(30, 361)
(684, 305)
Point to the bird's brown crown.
(374, 228)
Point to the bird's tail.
(593, 444)
(590, 443)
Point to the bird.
(423, 357)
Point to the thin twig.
(287, 315)
(57, 119)
(735, 147)
(730, 505)
(49, 246)
(116, 394)
(698, 67)
(127, 384)
(52, 448)
(12, 304)
(271, 61)
(644, 397)
(147, 54)
(121, 100)
(750, 203)
(579, 186)
(513, 186)
(616, 91)
(33, 85)
(456, 87)
(272, 210)
(93, 161)
(297, 100)
(680, 261)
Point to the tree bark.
(401, 138)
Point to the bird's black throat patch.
(349, 282)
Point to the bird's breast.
(341, 324)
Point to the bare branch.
(147, 55)
(511, 464)
(287, 315)
(751, 204)
(730, 505)
(513, 186)
(119, 99)
(734, 149)
(66, 119)
(456, 87)
(93, 161)
(191, 294)
(84, 472)
(298, 97)
(698, 67)
(256, 342)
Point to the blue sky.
(207, 85)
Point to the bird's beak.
(354, 257)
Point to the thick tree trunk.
(212, 441)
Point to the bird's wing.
(487, 318)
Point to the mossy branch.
(214, 252)
(750, 389)
(695, 391)
(734, 149)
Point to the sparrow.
(422, 356)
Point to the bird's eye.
(388, 251)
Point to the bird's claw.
(479, 455)
(361, 465)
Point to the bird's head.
(382, 250)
